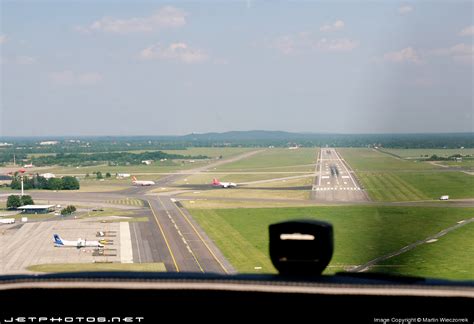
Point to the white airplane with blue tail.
(59, 242)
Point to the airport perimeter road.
(335, 180)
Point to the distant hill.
(248, 135)
(254, 138)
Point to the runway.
(335, 181)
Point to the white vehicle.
(217, 183)
(142, 182)
(7, 220)
(59, 242)
(445, 197)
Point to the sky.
(170, 68)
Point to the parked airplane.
(59, 242)
(142, 182)
(217, 183)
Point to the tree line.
(39, 182)
(15, 201)
(115, 158)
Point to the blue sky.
(128, 68)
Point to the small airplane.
(59, 242)
(217, 183)
(142, 182)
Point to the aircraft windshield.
(167, 137)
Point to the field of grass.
(209, 203)
(108, 212)
(409, 186)
(243, 192)
(83, 267)
(464, 164)
(364, 159)
(449, 257)
(277, 159)
(153, 168)
(422, 153)
(390, 179)
(362, 233)
(206, 178)
(296, 182)
(212, 152)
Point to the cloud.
(405, 9)
(461, 53)
(91, 78)
(337, 25)
(69, 78)
(337, 45)
(468, 31)
(3, 39)
(176, 51)
(165, 17)
(25, 60)
(405, 55)
(285, 44)
(304, 41)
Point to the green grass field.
(410, 186)
(390, 179)
(464, 164)
(449, 257)
(86, 267)
(362, 233)
(364, 159)
(277, 159)
(212, 152)
(157, 167)
(108, 212)
(243, 192)
(206, 178)
(422, 153)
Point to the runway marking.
(182, 237)
(164, 236)
(320, 167)
(202, 240)
(345, 168)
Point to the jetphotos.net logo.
(71, 319)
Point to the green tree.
(27, 200)
(55, 184)
(108, 175)
(68, 210)
(13, 202)
(70, 183)
(99, 175)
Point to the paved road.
(334, 180)
(180, 243)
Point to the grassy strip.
(362, 233)
(449, 257)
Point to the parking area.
(24, 245)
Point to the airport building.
(48, 175)
(36, 209)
